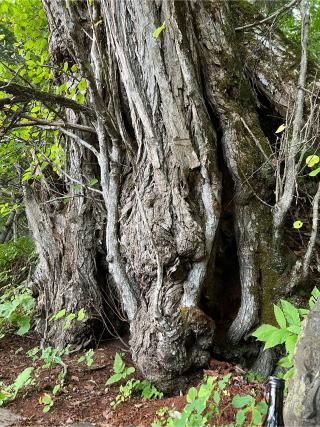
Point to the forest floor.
(85, 398)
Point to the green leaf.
(285, 362)
(264, 331)
(159, 30)
(289, 374)
(262, 407)
(222, 383)
(192, 394)
(59, 314)
(256, 417)
(297, 224)
(114, 379)
(81, 315)
(276, 338)
(241, 401)
(74, 68)
(82, 85)
(22, 379)
(216, 397)
(240, 418)
(118, 365)
(65, 67)
(279, 316)
(46, 409)
(314, 172)
(80, 98)
(56, 389)
(295, 329)
(312, 160)
(130, 371)
(24, 325)
(291, 313)
(93, 181)
(281, 128)
(71, 316)
(291, 343)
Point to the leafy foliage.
(87, 358)
(205, 402)
(16, 259)
(10, 392)
(47, 401)
(121, 372)
(289, 320)
(247, 406)
(16, 310)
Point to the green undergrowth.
(132, 386)
(16, 260)
(289, 319)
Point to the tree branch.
(293, 146)
(269, 18)
(34, 121)
(28, 93)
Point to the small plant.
(200, 406)
(10, 392)
(47, 401)
(16, 310)
(125, 392)
(289, 320)
(53, 356)
(87, 358)
(248, 407)
(120, 370)
(16, 259)
(252, 376)
(148, 390)
(161, 417)
(69, 317)
(33, 353)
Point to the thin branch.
(257, 142)
(293, 146)
(29, 94)
(314, 232)
(80, 141)
(270, 17)
(34, 121)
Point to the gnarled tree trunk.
(181, 145)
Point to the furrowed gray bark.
(170, 114)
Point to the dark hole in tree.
(111, 323)
(221, 295)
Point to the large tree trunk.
(181, 143)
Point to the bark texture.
(303, 401)
(179, 139)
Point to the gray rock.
(302, 406)
(8, 418)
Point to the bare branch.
(293, 146)
(34, 121)
(314, 232)
(80, 141)
(270, 17)
(29, 94)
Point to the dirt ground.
(85, 396)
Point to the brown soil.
(86, 398)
